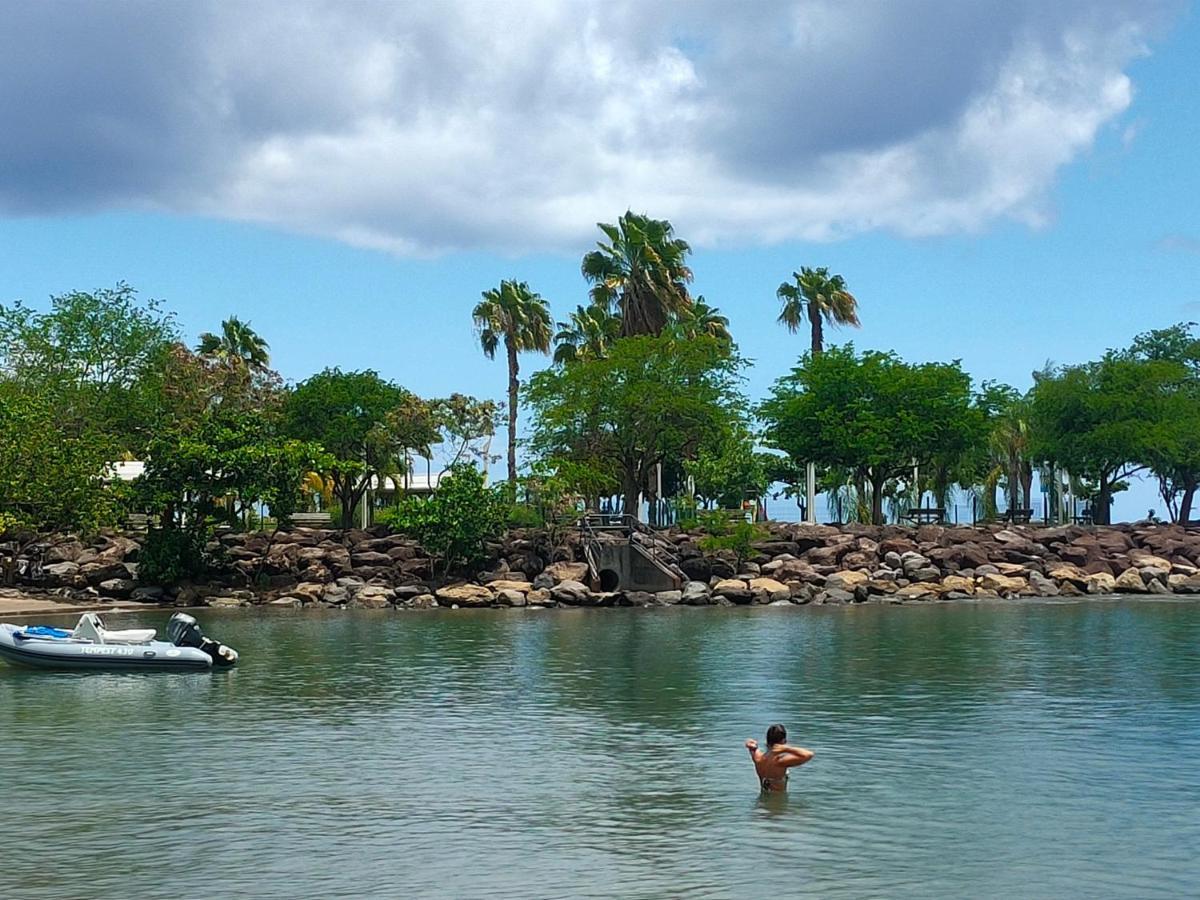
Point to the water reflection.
(962, 750)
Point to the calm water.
(1001, 750)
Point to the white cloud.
(515, 126)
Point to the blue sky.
(1061, 226)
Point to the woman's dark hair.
(776, 734)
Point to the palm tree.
(1009, 445)
(238, 346)
(521, 317)
(702, 319)
(819, 296)
(588, 335)
(823, 298)
(641, 269)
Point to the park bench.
(312, 520)
(1018, 516)
(926, 515)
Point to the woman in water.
(772, 764)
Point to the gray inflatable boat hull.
(152, 656)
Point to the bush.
(738, 537)
(523, 515)
(170, 555)
(453, 523)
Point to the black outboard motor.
(184, 631)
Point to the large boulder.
(768, 590)
(696, 593)
(1002, 584)
(463, 595)
(121, 588)
(567, 571)
(846, 581)
(571, 592)
(1130, 582)
(505, 584)
(1101, 583)
(733, 589)
(372, 596)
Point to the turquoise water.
(984, 750)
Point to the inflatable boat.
(92, 646)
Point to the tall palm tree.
(641, 268)
(588, 334)
(237, 346)
(821, 298)
(1009, 445)
(515, 313)
(702, 319)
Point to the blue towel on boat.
(43, 631)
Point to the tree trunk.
(633, 488)
(818, 336)
(877, 501)
(1185, 503)
(1101, 508)
(1014, 488)
(1027, 483)
(512, 414)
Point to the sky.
(1003, 183)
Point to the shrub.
(170, 555)
(453, 523)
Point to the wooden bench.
(926, 515)
(312, 520)
(1018, 516)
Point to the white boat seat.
(91, 628)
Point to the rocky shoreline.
(795, 564)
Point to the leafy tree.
(51, 478)
(651, 398)
(238, 346)
(455, 521)
(728, 470)
(1173, 447)
(640, 268)
(463, 422)
(521, 318)
(872, 414)
(358, 418)
(91, 356)
(1098, 420)
(216, 471)
(819, 297)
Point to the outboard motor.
(184, 631)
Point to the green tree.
(819, 297)
(359, 420)
(1099, 420)
(521, 318)
(588, 334)
(702, 319)
(238, 346)
(463, 422)
(650, 399)
(455, 521)
(1173, 447)
(873, 414)
(641, 269)
(93, 357)
(51, 478)
(728, 470)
